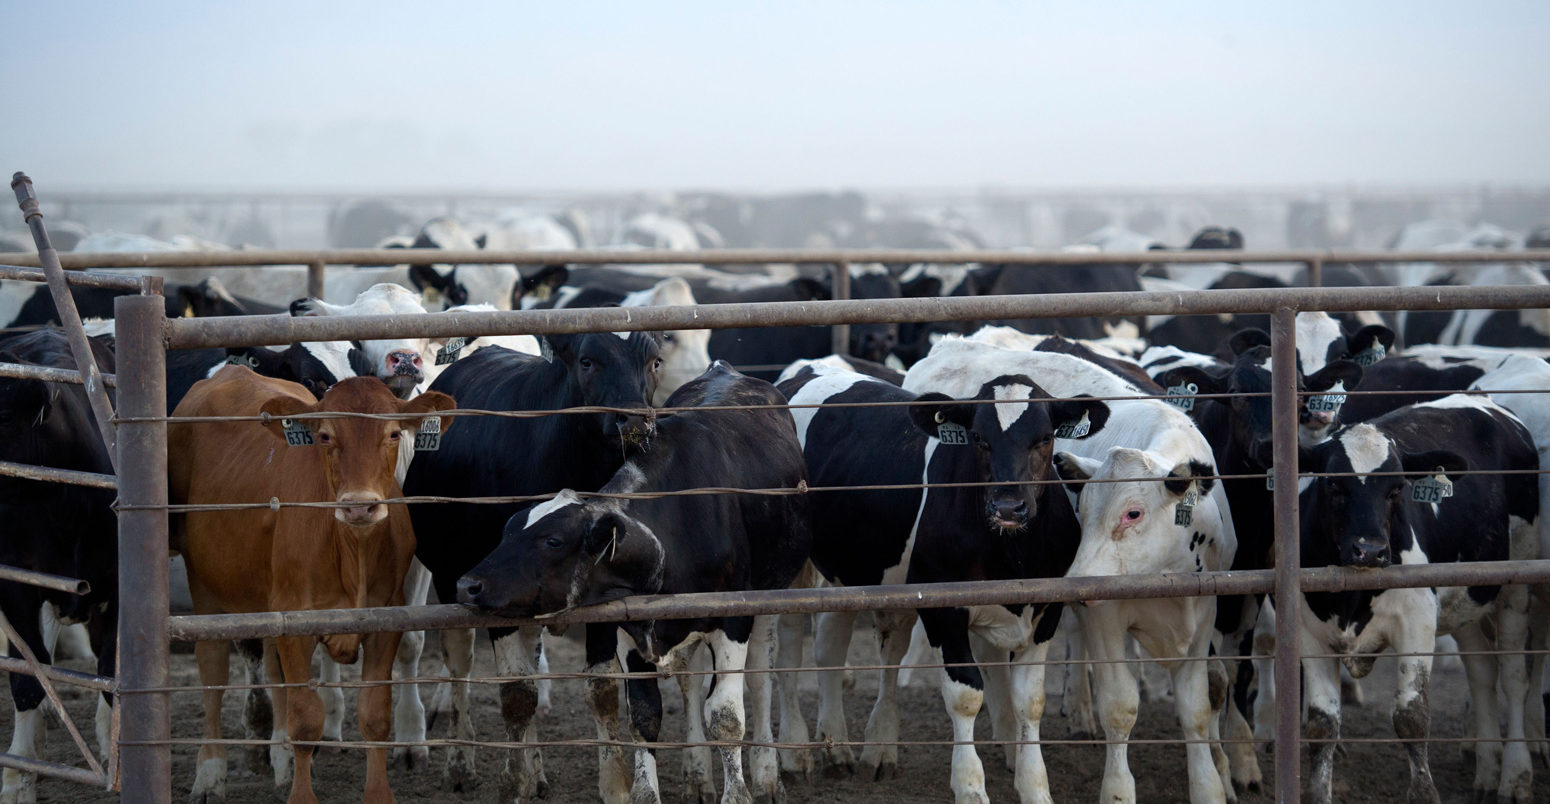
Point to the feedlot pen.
(158, 728)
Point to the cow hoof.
(458, 778)
(797, 763)
(258, 761)
(699, 791)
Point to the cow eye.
(554, 543)
(585, 362)
(656, 365)
(668, 337)
(1394, 493)
(1132, 515)
(395, 435)
(325, 438)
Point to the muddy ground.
(1368, 772)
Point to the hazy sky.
(582, 95)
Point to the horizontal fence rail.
(84, 279)
(217, 259)
(190, 628)
(50, 374)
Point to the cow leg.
(29, 724)
(1076, 696)
(1265, 677)
(374, 711)
(1534, 702)
(1481, 673)
(1412, 710)
(880, 756)
(690, 669)
(724, 721)
(1512, 609)
(516, 655)
(280, 751)
(102, 632)
(645, 699)
(333, 702)
(1321, 687)
(408, 709)
(1117, 692)
(457, 647)
(963, 692)
(258, 706)
(831, 645)
(303, 712)
(1031, 778)
(797, 762)
(998, 696)
(613, 780)
(214, 660)
(763, 763)
(1197, 708)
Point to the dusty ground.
(1367, 773)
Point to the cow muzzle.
(633, 429)
(404, 370)
(1008, 515)
(360, 509)
(1366, 554)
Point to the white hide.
(685, 353)
(383, 299)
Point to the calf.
(562, 450)
(293, 559)
(1015, 529)
(572, 552)
(1128, 527)
(1369, 516)
(54, 528)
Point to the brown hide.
(296, 558)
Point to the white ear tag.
(1183, 396)
(1370, 355)
(449, 352)
(428, 439)
(545, 350)
(953, 434)
(1326, 403)
(1184, 511)
(297, 434)
(1078, 429)
(1432, 489)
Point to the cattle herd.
(969, 451)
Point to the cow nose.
(360, 508)
(1009, 513)
(405, 363)
(636, 426)
(468, 590)
(1368, 555)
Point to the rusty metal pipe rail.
(53, 769)
(200, 333)
(235, 259)
(62, 675)
(52, 475)
(50, 374)
(189, 628)
(84, 279)
(44, 580)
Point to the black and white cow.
(1016, 529)
(314, 365)
(570, 552)
(1389, 507)
(55, 528)
(31, 303)
(490, 456)
(927, 280)
(399, 362)
(1149, 460)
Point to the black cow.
(926, 281)
(1015, 529)
(34, 304)
(1040, 280)
(1395, 503)
(497, 456)
(568, 552)
(54, 528)
(315, 365)
(1405, 380)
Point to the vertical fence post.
(841, 283)
(146, 770)
(1316, 272)
(1288, 594)
(315, 271)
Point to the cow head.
(1009, 441)
(209, 298)
(359, 454)
(444, 286)
(539, 287)
(1130, 520)
(564, 553)
(615, 370)
(685, 353)
(399, 362)
(873, 342)
(1360, 521)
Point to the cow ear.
(942, 410)
(1341, 371)
(1427, 463)
(1065, 412)
(628, 557)
(562, 346)
(809, 289)
(1246, 339)
(283, 407)
(1205, 382)
(30, 399)
(921, 287)
(426, 276)
(542, 285)
(604, 533)
(1367, 336)
(1190, 472)
(303, 308)
(428, 403)
(1074, 470)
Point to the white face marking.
(869, 269)
(623, 336)
(1366, 447)
(547, 507)
(1315, 332)
(334, 355)
(1007, 413)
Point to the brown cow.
(295, 558)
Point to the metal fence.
(144, 333)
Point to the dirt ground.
(1367, 772)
